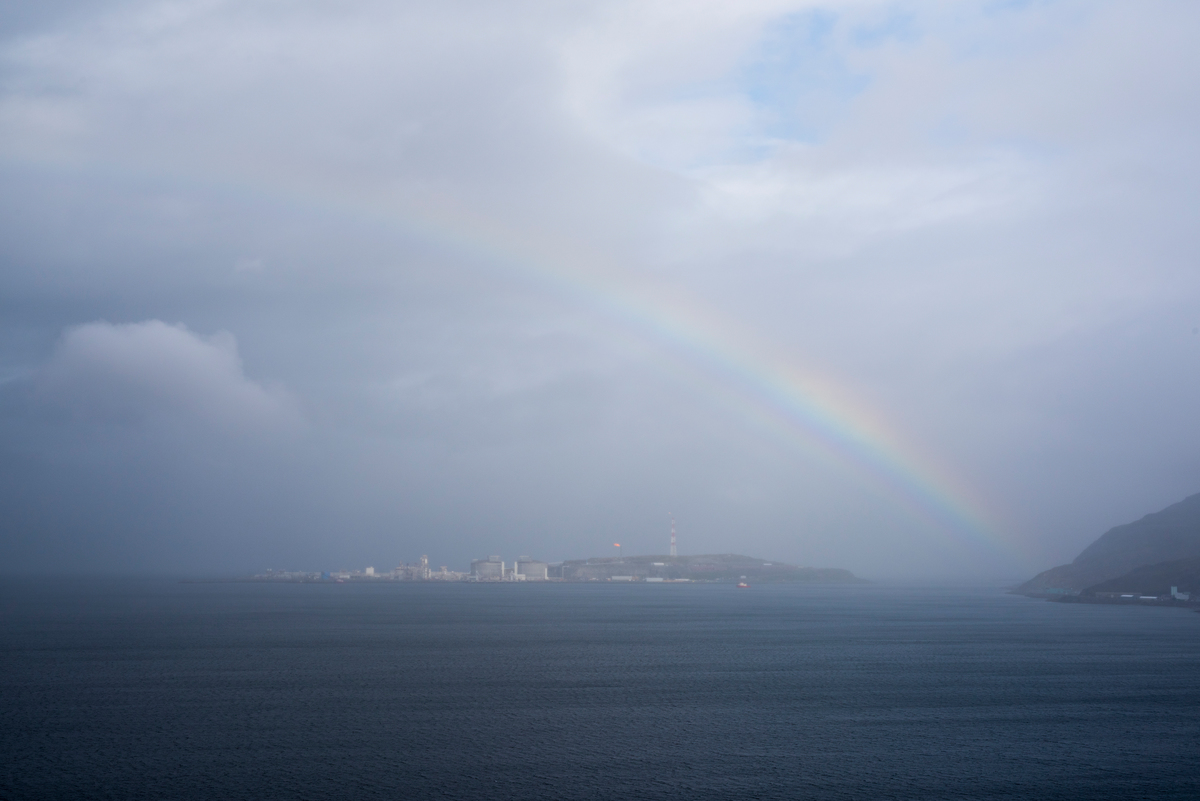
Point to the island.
(725, 568)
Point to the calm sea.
(161, 690)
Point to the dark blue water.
(158, 690)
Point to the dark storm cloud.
(976, 218)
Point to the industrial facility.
(493, 568)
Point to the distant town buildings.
(526, 568)
(417, 571)
(493, 568)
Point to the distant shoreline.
(575, 582)
(1136, 601)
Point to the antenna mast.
(673, 536)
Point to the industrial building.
(525, 568)
(415, 572)
(490, 569)
(531, 570)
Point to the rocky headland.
(1145, 558)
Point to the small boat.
(742, 584)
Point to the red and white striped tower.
(673, 536)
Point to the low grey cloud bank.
(975, 219)
(138, 370)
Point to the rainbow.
(804, 408)
(807, 409)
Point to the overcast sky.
(316, 285)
